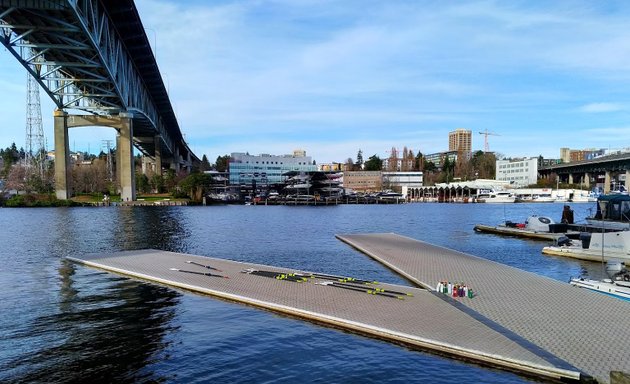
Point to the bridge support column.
(607, 182)
(158, 155)
(176, 160)
(124, 149)
(63, 175)
(587, 179)
(570, 178)
(627, 179)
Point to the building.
(519, 172)
(569, 155)
(400, 180)
(363, 181)
(438, 157)
(266, 169)
(331, 167)
(460, 140)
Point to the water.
(60, 322)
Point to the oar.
(342, 279)
(203, 265)
(376, 289)
(357, 289)
(276, 275)
(199, 273)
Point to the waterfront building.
(363, 181)
(438, 157)
(266, 169)
(460, 140)
(398, 180)
(518, 172)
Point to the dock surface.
(425, 320)
(584, 329)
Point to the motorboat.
(612, 212)
(535, 227)
(617, 284)
(495, 196)
(595, 246)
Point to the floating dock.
(517, 321)
(572, 327)
(528, 234)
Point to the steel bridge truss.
(75, 53)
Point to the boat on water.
(535, 227)
(612, 212)
(495, 196)
(603, 246)
(617, 284)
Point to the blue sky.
(333, 77)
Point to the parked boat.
(535, 227)
(617, 284)
(495, 196)
(603, 246)
(612, 212)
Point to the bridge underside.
(93, 58)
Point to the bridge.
(94, 60)
(607, 170)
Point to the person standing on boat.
(567, 215)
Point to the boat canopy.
(613, 207)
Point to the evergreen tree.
(205, 164)
(359, 163)
(374, 163)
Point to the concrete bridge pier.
(627, 179)
(607, 177)
(587, 179)
(124, 149)
(63, 177)
(123, 123)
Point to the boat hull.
(604, 287)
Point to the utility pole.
(107, 144)
(35, 143)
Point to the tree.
(223, 163)
(205, 164)
(392, 160)
(419, 163)
(349, 165)
(359, 163)
(484, 165)
(374, 163)
(195, 185)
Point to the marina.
(509, 332)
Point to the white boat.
(495, 196)
(535, 227)
(618, 283)
(612, 212)
(603, 246)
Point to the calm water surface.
(61, 322)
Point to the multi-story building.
(519, 172)
(266, 169)
(398, 180)
(331, 167)
(438, 157)
(571, 155)
(363, 181)
(460, 140)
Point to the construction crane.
(486, 133)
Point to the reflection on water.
(61, 322)
(110, 331)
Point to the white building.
(519, 173)
(266, 169)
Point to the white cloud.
(602, 107)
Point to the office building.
(266, 169)
(519, 172)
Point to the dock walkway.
(425, 320)
(587, 330)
